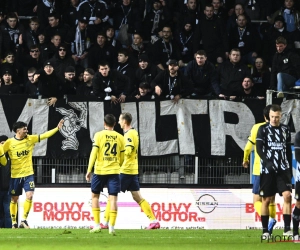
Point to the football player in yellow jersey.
(257, 200)
(129, 171)
(3, 159)
(19, 149)
(106, 158)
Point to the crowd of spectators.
(114, 49)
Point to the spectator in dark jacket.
(62, 59)
(145, 73)
(49, 83)
(171, 83)
(70, 15)
(69, 85)
(101, 51)
(246, 38)
(56, 27)
(110, 84)
(124, 65)
(203, 74)
(11, 32)
(285, 68)
(261, 75)
(232, 73)
(86, 88)
(31, 87)
(30, 35)
(211, 31)
(8, 87)
(44, 8)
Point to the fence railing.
(152, 170)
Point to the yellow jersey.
(20, 153)
(108, 153)
(248, 148)
(130, 164)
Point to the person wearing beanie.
(276, 30)
(62, 59)
(49, 83)
(145, 73)
(8, 87)
(69, 85)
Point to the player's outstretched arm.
(52, 131)
(247, 152)
(3, 160)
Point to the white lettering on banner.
(37, 111)
(175, 212)
(184, 110)
(219, 129)
(149, 145)
(62, 212)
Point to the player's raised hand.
(60, 124)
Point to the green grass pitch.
(56, 239)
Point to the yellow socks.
(257, 206)
(27, 207)
(272, 210)
(112, 217)
(147, 209)
(107, 212)
(96, 214)
(13, 207)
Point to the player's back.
(110, 147)
(130, 164)
(20, 154)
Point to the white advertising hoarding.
(174, 209)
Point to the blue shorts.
(17, 184)
(112, 181)
(256, 184)
(129, 182)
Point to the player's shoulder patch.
(128, 139)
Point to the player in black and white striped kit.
(296, 212)
(273, 147)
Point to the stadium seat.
(174, 178)
(161, 177)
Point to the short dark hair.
(11, 15)
(249, 77)
(34, 46)
(34, 19)
(127, 117)
(90, 71)
(267, 112)
(18, 125)
(31, 70)
(235, 49)
(54, 14)
(123, 51)
(281, 40)
(275, 108)
(201, 53)
(110, 120)
(103, 63)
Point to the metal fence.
(152, 170)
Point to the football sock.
(272, 210)
(147, 210)
(257, 206)
(13, 211)
(112, 218)
(287, 222)
(265, 222)
(106, 213)
(296, 219)
(96, 214)
(27, 207)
